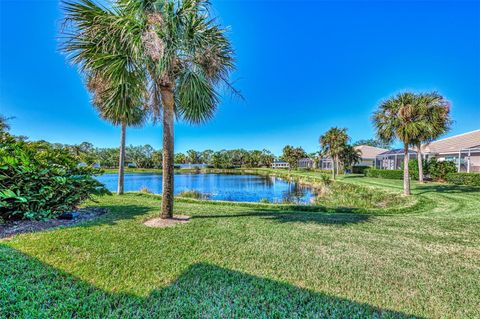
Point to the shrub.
(38, 181)
(359, 169)
(384, 173)
(193, 194)
(145, 190)
(469, 179)
(438, 170)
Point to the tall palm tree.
(332, 143)
(435, 111)
(400, 117)
(174, 47)
(119, 108)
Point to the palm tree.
(435, 111)
(119, 108)
(4, 125)
(350, 156)
(332, 144)
(400, 117)
(173, 47)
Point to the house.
(393, 159)
(462, 149)
(306, 163)
(280, 164)
(368, 154)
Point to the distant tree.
(267, 158)
(193, 157)
(400, 117)
(4, 125)
(332, 144)
(373, 142)
(157, 158)
(206, 156)
(221, 159)
(180, 158)
(292, 155)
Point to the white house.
(462, 149)
(280, 164)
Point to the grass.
(255, 260)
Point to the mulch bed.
(161, 223)
(10, 229)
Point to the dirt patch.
(158, 222)
(28, 226)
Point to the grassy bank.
(254, 260)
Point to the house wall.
(366, 162)
(474, 160)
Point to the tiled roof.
(370, 151)
(398, 151)
(454, 144)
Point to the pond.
(230, 187)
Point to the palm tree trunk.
(406, 174)
(168, 102)
(420, 163)
(333, 167)
(121, 160)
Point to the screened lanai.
(393, 159)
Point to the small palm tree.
(400, 117)
(118, 106)
(435, 111)
(332, 143)
(4, 125)
(174, 48)
(350, 156)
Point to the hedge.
(359, 169)
(469, 179)
(384, 173)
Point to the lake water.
(230, 187)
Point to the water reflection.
(231, 187)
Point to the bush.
(39, 182)
(438, 171)
(384, 173)
(359, 169)
(469, 179)
(193, 194)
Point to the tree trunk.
(168, 102)
(420, 163)
(406, 174)
(333, 167)
(121, 160)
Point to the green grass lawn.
(254, 261)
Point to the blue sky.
(303, 67)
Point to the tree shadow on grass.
(29, 288)
(447, 189)
(285, 216)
